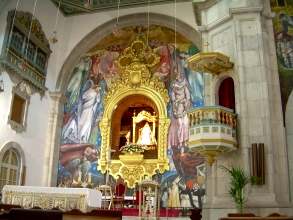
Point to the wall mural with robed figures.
(182, 185)
(283, 30)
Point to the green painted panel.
(73, 7)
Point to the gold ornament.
(135, 64)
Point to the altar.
(52, 197)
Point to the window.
(26, 51)
(17, 40)
(17, 109)
(9, 168)
(11, 164)
(19, 105)
(41, 60)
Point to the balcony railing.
(212, 115)
(212, 131)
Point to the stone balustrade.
(212, 115)
(212, 131)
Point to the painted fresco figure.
(195, 80)
(173, 198)
(180, 96)
(106, 66)
(70, 133)
(89, 103)
(73, 88)
(70, 128)
(284, 40)
(286, 22)
(164, 70)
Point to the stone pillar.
(246, 35)
(53, 139)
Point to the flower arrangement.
(132, 147)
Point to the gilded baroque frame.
(135, 78)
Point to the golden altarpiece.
(135, 79)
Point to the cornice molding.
(232, 13)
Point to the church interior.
(146, 109)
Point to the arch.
(226, 93)
(116, 166)
(289, 136)
(77, 52)
(119, 114)
(135, 79)
(20, 154)
(107, 28)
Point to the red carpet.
(163, 212)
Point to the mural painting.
(182, 185)
(283, 29)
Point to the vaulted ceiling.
(74, 7)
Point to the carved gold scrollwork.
(135, 65)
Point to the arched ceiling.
(74, 7)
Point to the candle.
(90, 178)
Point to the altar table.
(52, 197)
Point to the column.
(53, 139)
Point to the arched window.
(11, 165)
(226, 93)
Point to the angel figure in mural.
(195, 80)
(89, 102)
(146, 136)
(104, 65)
(70, 128)
(180, 96)
(73, 88)
(164, 69)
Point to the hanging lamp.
(116, 30)
(53, 39)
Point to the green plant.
(238, 180)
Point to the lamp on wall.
(1, 85)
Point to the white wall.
(33, 139)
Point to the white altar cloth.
(49, 197)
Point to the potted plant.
(238, 180)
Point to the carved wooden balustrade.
(212, 131)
